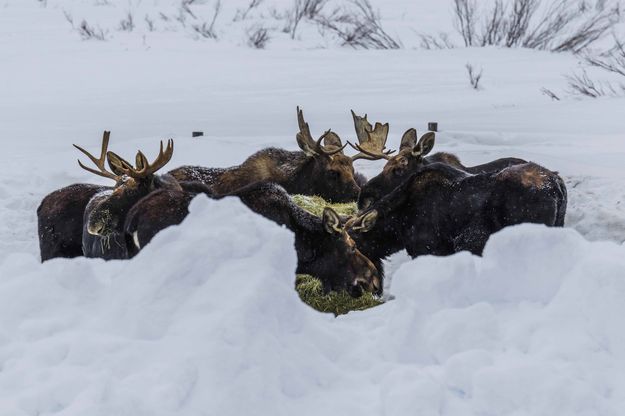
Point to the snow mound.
(205, 321)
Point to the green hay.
(316, 204)
(310, 290)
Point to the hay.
(316, 204)
(310, 291)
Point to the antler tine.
(365, 154)
(99, 162)
(144, 168)
(320, 149)
(303, 126)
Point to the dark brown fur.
(60, 220)
(331, 177)
(441, 210)
(405, 163)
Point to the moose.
(441, 209)
(411, 156)
(317, 169)
(324, 248)
(105, 214)
(87, 219)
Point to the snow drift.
(206, 321)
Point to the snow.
(217, 328)
(205, 320)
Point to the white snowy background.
(205, 320)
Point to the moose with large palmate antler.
(320, 168)
(412, 155)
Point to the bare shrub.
(474, 77)
(582, 84)
(549, 94)
(465, 11)
(359, 27)
(127, 24)
(184, 7)
(150, 23)
(258, 37)
(242, 14)
(308, 9)
(611, 61)
(88, 32)
(69, 18)
(207, 30)
(441, 41)
(561, 27)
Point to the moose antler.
(143, 168)
(312, 147)
(371, 141)
(99, 162)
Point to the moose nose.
(95, 229)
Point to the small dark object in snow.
(197, 134)
(433, 126)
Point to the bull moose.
(411, 156)
(86, 219)
(318, 169)
(441, 209)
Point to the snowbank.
(205, 321)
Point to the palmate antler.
(371, 140)
(311, 147)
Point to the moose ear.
(118, 165)
(331, 221)
(304, 145)
(425, 145)
(409, 139)
(369, 220)
(365, 222)
(332, 141)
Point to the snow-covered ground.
(205, 320)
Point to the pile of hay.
(310, 291)
(316, 204)
(309, 288)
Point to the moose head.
(372, 142)
(327, 169)
(105, 214)
(339, 260)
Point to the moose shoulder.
(318, 169)
(441, 210)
